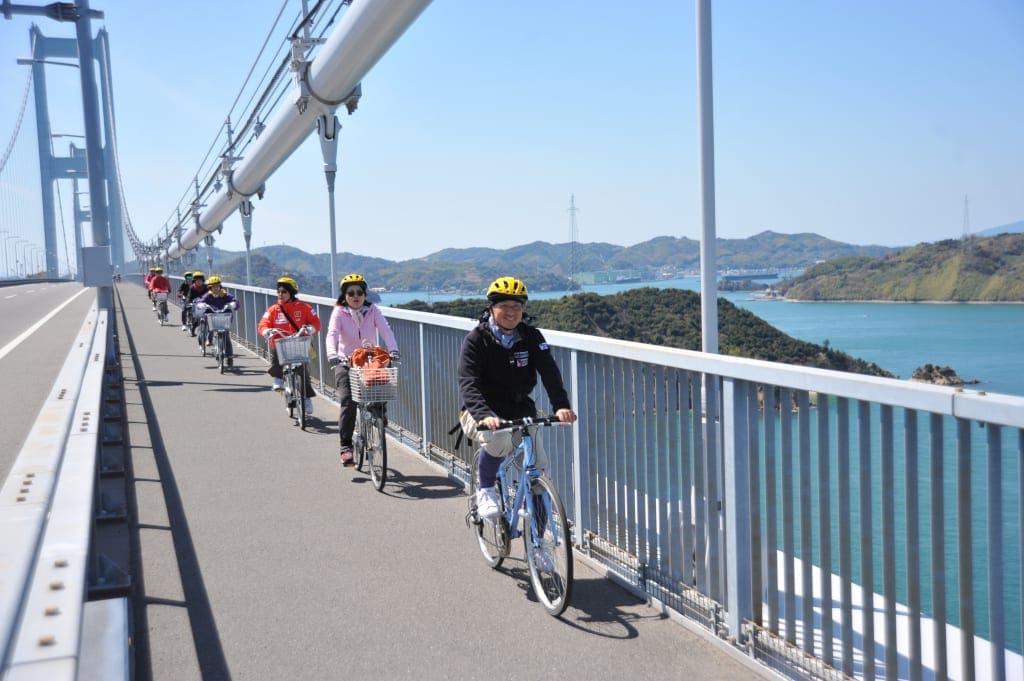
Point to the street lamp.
(3, 239)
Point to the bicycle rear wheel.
(377, 451)
(548, 547)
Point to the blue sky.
(867, 122)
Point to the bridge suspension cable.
(265, 93)
(17, 125)
(20, 229)
(347, 54)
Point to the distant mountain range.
(543, 265)
(1012, 228)
(978, 269)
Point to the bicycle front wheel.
(492, 536)
(201, 335)
(299, 393)
(377, 451)
(548, 547)
(359, 438)
(218, 347)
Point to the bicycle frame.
(523, 481)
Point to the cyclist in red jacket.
(286, 317)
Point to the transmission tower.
(967, 240)
(573, 237)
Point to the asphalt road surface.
(32, 353)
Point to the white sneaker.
(184, 328)
(278, 384)
(309, 406)
(487, 503)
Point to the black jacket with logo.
(497, 381)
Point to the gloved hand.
(395, 356)
(267, 333)
(333, 362)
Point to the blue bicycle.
(525, 494)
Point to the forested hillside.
(544, 265)
(975, 270)
(671, 318)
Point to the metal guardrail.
(46, 517)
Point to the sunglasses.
(354, 292)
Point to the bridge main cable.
(366, 31)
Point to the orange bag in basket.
(372, 361)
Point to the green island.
(988, 269)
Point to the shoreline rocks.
(937, 375)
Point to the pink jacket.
(345, 335)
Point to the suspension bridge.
(163, 521)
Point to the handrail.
(46, 507)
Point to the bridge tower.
(74, 166)
(573, 237)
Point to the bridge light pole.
(3, 239)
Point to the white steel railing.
(46, 517)
(868, 495)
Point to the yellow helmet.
(213, 280)
(158, 270)
(289, 284)
(198, 275)
(506, 288)
(188, 275)
(353, 278)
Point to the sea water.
(983, 342)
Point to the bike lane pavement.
(261, 557)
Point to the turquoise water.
(982, 342)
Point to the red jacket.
(301, 313)
(160, 283)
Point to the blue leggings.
(488, 469)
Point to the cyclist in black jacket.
(182, 295)
(498, 370)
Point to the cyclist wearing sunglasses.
(355, 322)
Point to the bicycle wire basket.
(292, 349)
(218, 321)
(373, 385)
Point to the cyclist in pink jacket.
(355, 323)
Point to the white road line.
(29, 331)
(8, 297)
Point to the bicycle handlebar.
(306, 330)
(506, 424)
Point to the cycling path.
(261, 557)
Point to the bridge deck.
(262, 558)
